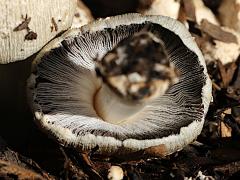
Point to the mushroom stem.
(114, 109)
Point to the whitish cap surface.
(168, 8)
(115, 173)
(82, 15)
(26, 25)
(63, 84)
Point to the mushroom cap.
(63, 83)
(26, 26)
(135, 74)
(168, 8)
(82, 15)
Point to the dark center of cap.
(137, 66)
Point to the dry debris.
(12, 171)
(215, 155)
(217, 33)
(159, 7)
(228, 14)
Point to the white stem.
(114, 109)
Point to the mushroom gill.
(134, 73)
(100, 86)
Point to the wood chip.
(233, 124)
(225, 130)
(189, 10)
(217, 33)
(226, 72)
(236, 83)
(216, 86)
(228, 111)
(182, 15)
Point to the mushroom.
(26, 26)
(115, 173)
(159, 7)
(82, 15)
(76, 100)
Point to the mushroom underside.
(65, 85)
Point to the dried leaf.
(236, 83)
(189, 10)
(217, 33)
(225, 130)
(158, 151)
(9, 170)
(226, 72)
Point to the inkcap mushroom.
(26, 26)
(122, 84)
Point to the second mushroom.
(122, 84)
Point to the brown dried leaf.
(9, 170)
(181, 15)
(225, 130)
(217, 33)
(189, 10)
(226, 72)
(216, 86)
(236, 83)
(158, 151)
(222, 73)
